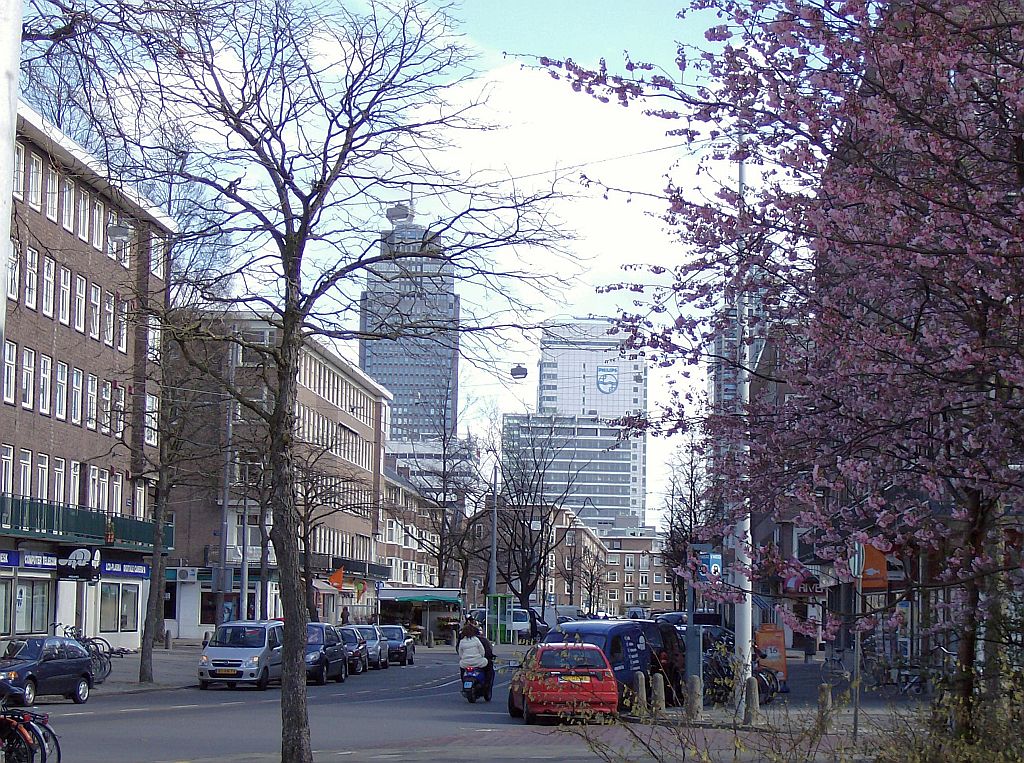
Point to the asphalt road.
(412, 713)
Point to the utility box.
(499, 618)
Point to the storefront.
(190, 601)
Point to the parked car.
(243, 652)
(53, 665)
(520, 622)
(376, 645)
(622, 641)
(563, 679)
(401, 648)
(325, 654)
(355, 649)
(667, 655)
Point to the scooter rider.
(475, 651)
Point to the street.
(402, 713)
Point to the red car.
(564, 680)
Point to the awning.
(324, 587)
(429, 598)
(762, 602)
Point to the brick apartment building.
(79, 392)
(637, 576)
(341, 417)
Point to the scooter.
(475, 684)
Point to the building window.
(110, 607)
(6, 469)
(49, 275)
(35, 182)
(19, 170)
(83, 215)
(33, 611)
(627, 596)
(657, 595)
(153, 341)
(68, 210)
(116, 492)
(103, 491)
(64, 297)
(42, 476)
(644, 580)
(58, 480)
(157, 245)
(31, 277)
(612, 559)
(94, 311)
(10, 370)
(122, 326)
(106, 400)
(28, 377)
(99, 219)
(76, 395)
(45, 371)
(628, 561)
(152, 419)
(108, 319)
(25, 473)
(52, 183)
(613, 595)
(75, 483)
(613, 576)
(139, 505)
(91, 394)
(13, 270)
(119, 411)
(80, 304)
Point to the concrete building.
(80, 392)
(584, 374)
(341, 416)
(411, 309)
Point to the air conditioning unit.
(188, 574)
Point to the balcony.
(62, 523)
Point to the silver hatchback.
(243, 652)
(376, 645)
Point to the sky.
(547, 129)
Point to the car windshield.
(597, 639)
(348, 637)
(21, 649)
(241, 636)
(367, 632)
(571, 658)
(314, 634)
(393, 632)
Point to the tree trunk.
(154, 624)
(264, 564)
(964, 688)
(307, 579)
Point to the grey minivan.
(243, 652)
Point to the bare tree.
(687, 509)
(592, 573)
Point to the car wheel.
(29, 697)
(529, 718)
(204, 685)
(412, 657)
(385, 662)
(366, 663)
(81, 694)
(513, 711)
(405, 659)
(358, 667)
(263, 681)
(342, 672)
(320, 675)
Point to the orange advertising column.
(771, 641)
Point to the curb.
(144, 689)
(662, 720)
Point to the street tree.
(879, 245)
(687, 510)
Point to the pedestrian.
(345, 616)
(534, 628)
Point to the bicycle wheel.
(16, 747)
(99, 643)
(49, 747)
(101, 666)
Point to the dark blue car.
(622, 642)
(44, 665)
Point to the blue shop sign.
(125, 569)
(38, 560)
(9, 558)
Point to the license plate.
(576, 679)
(467, 684)
(223, 672)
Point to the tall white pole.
(10, 64)
(744, 613)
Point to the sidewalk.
(172, 669)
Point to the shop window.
(129, 607)
(171, 601)
(119, 607)
(33, 606)
(109, 595)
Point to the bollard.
(640, 694)
(751, 702)
(657, 693)
(824, 708)
(167, 639)
(694, 698)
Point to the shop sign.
(80, 564)
(38, 560)
(125, 569)
(8, 558)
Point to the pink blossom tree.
(881, 244)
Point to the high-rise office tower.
(586, 382)
(409, 317)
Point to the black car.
(401, 648)
(355, 649)
(44, 665)
(325, 654)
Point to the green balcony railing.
(33, 518)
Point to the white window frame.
(6, 468)
(157, 255)
(31, 277)
(10, 371)
(95, 300)
(42, 476)
(108, 319)
(92, 392)
(116, 492)
(14, 271)
(75, 483)
(59, 476)
(77, 384)
(35, 181)
(52, 193)
(80, 288)
(106, 406)
(68, 207)
(45, 383)
(122, 325)
(139, 504)
(84, 213)
(151, 436)
(99, 221)
(49, 282)
(28, 377)
(19, 170)
(25, 473)
(118, 411)
(60, 391)
(153, 337)
(64, 296)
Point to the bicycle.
(38, 724)
(833, 670)
(98, 647)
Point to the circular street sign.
(716, 569)
(857, 560)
